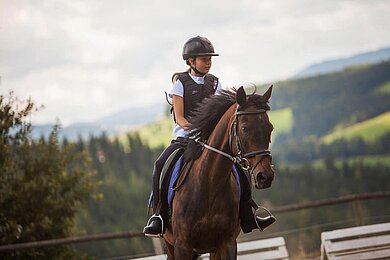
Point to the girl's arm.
(178, 104)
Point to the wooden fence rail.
(70, 240)
(107, 236)
(332, 201)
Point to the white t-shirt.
(178, 90)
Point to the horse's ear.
(267, 94)
(241, 96)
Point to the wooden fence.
(107, 236)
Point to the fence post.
(358, 211)
(157, 245)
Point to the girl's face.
(202, 64)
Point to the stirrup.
(270, 216)
(160, 234)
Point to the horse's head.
(251, 136)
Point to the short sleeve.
(177, 89)
(219, 89)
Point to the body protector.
(194, 93)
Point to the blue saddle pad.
(175, 176)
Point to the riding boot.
(155, 224)
(154, 227)
(247, 221)
(251, 220)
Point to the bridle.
(241, 158)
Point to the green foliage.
(282, 121)
(125, 174)
(311, 148)
(383, 89)
(370, 130)
(369, 160)
(157, 134)
(42, 185)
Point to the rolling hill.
(115, 124)
(335, 65)
(369, 130)
(324, 103)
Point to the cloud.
(84, 60)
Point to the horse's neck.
(218, 166)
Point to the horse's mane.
(209, 112)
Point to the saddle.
(171, 178)
(169, 175)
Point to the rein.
(241, 159)
(234, 159)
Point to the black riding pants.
(158, 165)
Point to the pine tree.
(42, 184)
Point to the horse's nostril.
(263, 176)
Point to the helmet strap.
(195, 69)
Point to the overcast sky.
(87, 59)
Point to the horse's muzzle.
(265, 176)
(263, 173)
(263, 180)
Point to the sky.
(84, 60)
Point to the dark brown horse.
(205, 209)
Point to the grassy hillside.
(160, 133)
(154, 135)
(369, 130)
(372, 160)
(282, 120)
(320, 103)
(157, 134)
(383, 89)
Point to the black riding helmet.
(198, 46)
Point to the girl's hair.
(176, 74)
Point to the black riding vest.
(194, 93)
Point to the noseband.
(241, 158)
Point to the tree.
(42, 184)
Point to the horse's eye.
(244, 129)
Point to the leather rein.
(241, 158)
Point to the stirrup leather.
(160, 234)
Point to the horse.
(229, 128)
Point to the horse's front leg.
(183, 251)
(170, 251)
(226, 251)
